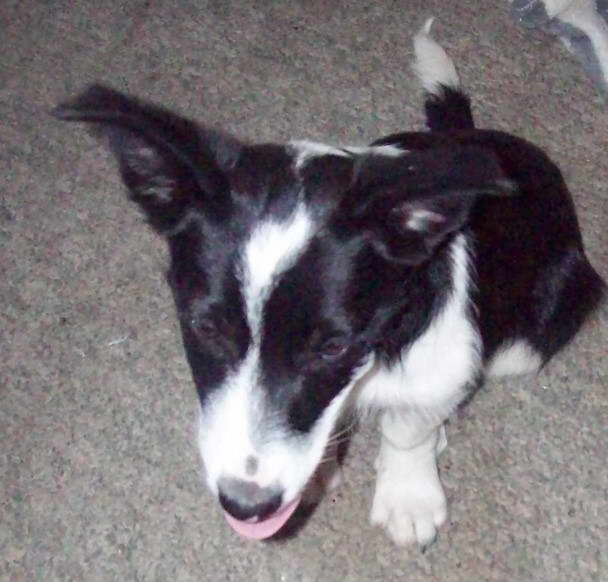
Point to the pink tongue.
(265, 528)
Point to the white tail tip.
(432, 64)
(426, 27)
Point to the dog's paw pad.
(410, 511)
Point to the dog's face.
(289, 268)
(281, 307)
(272, 323)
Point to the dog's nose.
(245, 500)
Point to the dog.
(313, 280)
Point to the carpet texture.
(100, 478)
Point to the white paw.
(410, 505)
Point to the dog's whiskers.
(335, 443)
(342, 434)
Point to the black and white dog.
(310, 280)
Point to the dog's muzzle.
(252, 511)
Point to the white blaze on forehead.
(272, 249)
(235, 424)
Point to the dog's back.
(534, 284)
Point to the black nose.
(245, 500)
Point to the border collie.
(310, 280)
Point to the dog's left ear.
(169, 164)
(409, 204)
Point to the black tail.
(449, 109)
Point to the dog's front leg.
(409, 501)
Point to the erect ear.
(413, 202)
(168, 163)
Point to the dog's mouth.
(265, 528)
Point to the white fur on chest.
(434, 370)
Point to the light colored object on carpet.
(581, 25)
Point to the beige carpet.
(99, 476)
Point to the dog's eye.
(334, 348)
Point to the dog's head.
(289, 268)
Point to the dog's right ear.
(408, 204)
(168, 163)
